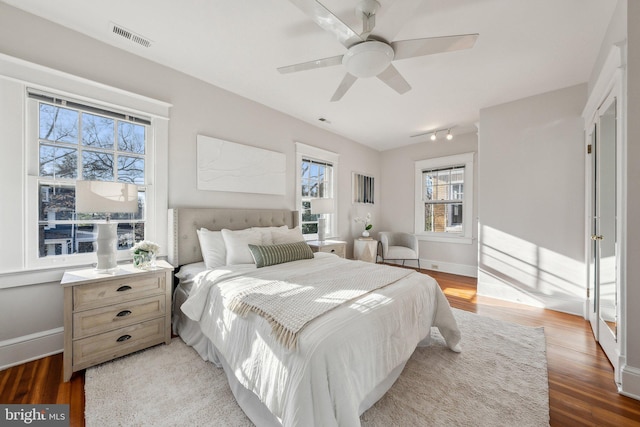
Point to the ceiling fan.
(368, 54)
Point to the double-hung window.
(316, 179)
(79, 141)
(444, 198)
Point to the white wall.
(398, 195)
(531, 200)
(33, 300)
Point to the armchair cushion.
(398, 245)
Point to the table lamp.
(106, 197)
(321, 207)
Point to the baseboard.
(16, 351)
(491, 286)
(445, 267)
(630, 385)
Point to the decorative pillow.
(278, 254)
(266, 233)
(237, 243)
(286, 235)
(212, 247)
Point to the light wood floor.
(581, 387)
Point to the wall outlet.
(434, 266)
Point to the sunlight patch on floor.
(467, 294)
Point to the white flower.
(145, 246)
(365, 220)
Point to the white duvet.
(341, 357)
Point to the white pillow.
(189, 271)
(286, 235)
(266, 233)
(237, 243)
(212, 247)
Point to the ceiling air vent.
(130, 35)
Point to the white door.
(604, 286)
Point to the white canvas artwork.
(228, 166)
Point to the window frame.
(466, 236)
(320, 155)
(32, 258)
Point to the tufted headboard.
(184, 247)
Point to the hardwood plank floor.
(581, 387)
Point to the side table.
(365, 249)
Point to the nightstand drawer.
(100, 348)
(337, 247)
(334, 249)
(116, 291)
(104, 319)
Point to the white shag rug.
(499, 379)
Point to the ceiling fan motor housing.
(368, 59)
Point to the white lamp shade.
(322, 206)
(106, 197)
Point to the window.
(316, 182)
(443, 207)
(316, 179)
(79, 141)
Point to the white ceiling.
(524, 48)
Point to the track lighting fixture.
(434, 134)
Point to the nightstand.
(337, 247)
(108, 315)
(365, 249)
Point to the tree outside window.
(75, 143)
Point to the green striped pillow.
(277, 254)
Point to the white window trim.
(32, 259)
(304, 150)
(66, 85)
(465, 159)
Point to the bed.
(285, 366)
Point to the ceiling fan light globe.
(368, 59)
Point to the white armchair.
(397, 246)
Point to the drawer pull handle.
(333, 250)
(123, 288)
(124, 313)
(124, 338)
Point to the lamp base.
(322, 226)
(107, 246)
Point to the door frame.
(610, 84)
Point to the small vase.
(144, 260)
(365, 233)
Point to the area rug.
(499, 379)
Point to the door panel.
(603, 268)
(608, 300)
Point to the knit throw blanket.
(290, 305)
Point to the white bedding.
(342, 357)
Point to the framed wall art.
(229, 166)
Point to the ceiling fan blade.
(318, 63)
(328, 21)
(393, 17)
(345, 84)
(419, 47)
(392, 78)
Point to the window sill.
(445, 239)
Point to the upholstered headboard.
(184, 247)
